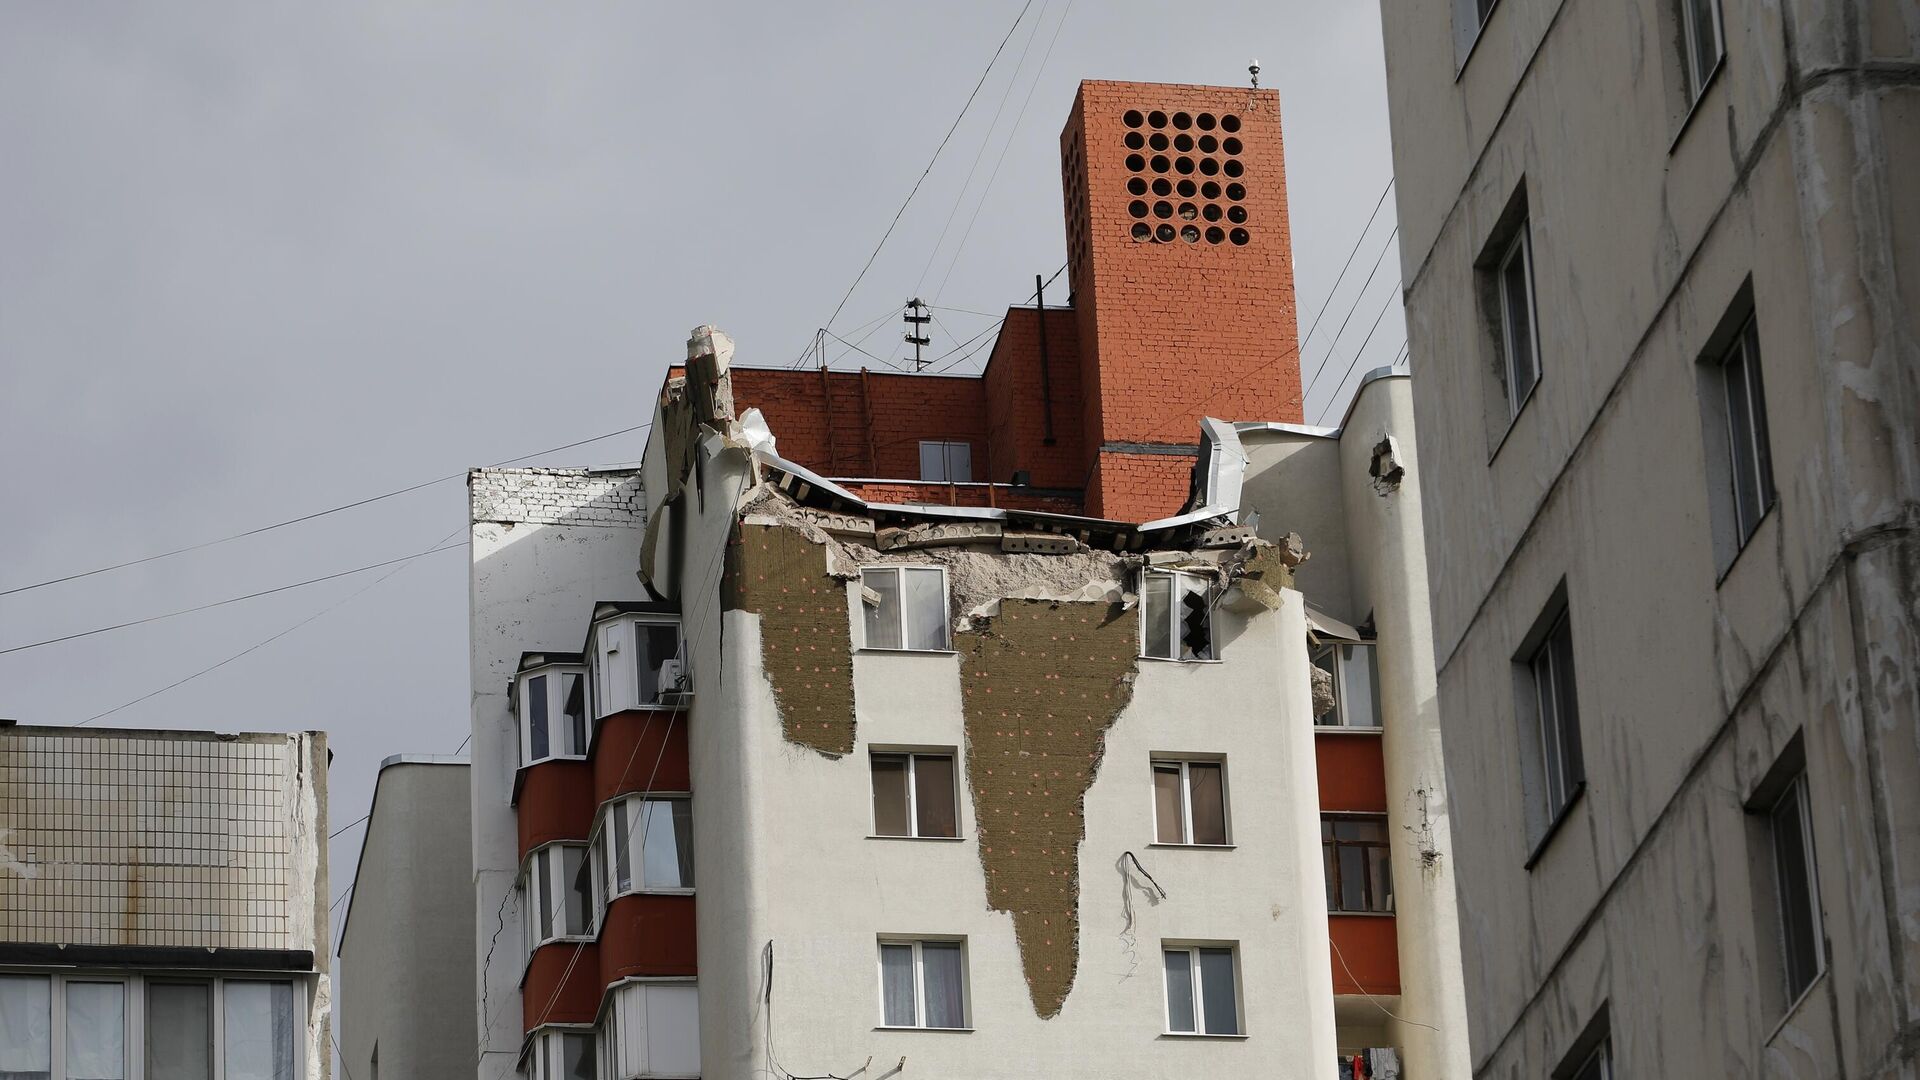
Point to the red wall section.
(648, 934)
(1352, 774)
(862, 423)
(544, 999)
(1139, 487)
(556, 803)
(629, 746)
(1370, 946)
(1016, 413)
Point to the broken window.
(1355, 677)
(1519, 331)
(1203, 990)
(1190, 802)
(914, 795)
(556, 893)
(1359, 870)
(946, 462)
(923, 983)
(1790, 838)
(906, 608)
(550, 702)
(1703, 43)
(1176, 616)
(638, 662)
(645, 845)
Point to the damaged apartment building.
(1029, 723)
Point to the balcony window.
(550, 704)
(1203, 990)
(946, 462)
(557, 891)
(645, 844)
(1356, 684)
(915, 795)
(1358, 862)
(26, 1027)
(105, 1025)
(560, 1054)
(1190, 802)
(923, 983)
(638, 661)
(651, 1029)
(906, 608)
(1176, 616)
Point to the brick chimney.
(1180, 261)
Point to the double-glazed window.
(1358, 863)
(1190, 802)
(104, 1027)
(1519, 331)
(1703, 40)
(651, 1029)
(645, 844)
(1356, 684)
(558, 894)
(906, 608)
(1790, 838)
(1550, 721)
(915, 795)
(551, 704)
(1203, 990)
(1176, 616)
(638, 662)
(923, 983)
(1739, 410)
(559, 1054)
(950, 462)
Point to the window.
(906, 608)
(651, 1029)
(915, 795)
(1190, 802)
(550, 702)
(83, 1027)
(637, 662)
(1176, 616)
(949, 462)
(96, 1024)
(1358, 863)
(1597, 1065)
(1203, 992)
(1703, 42)
(1790, 835)
(26, 1027)
(259, 1030)
(1550, 720)
(1519, 331)
(558, 894)
(645, 845)
(923, 984)
(1740, 410)
(1484, 8)
(559, 1054)
(1356, 684)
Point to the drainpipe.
(1046, 381)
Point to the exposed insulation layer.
(1041, 684)
(806, 647)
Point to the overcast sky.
(258, 260)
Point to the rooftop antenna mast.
(917, 317)
(1253, 69)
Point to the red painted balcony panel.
(648, 934)
(630, 748)
(555, 803)
(1370, 947)
(562, 985)
(1353, 776)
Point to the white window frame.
(1341, 722)
(900, 615)
(1698, 77)
(946, 449)
(1597, 1065)
(1193, 950)
(920, 982)
(1796, 792)
(133, 1013)
(1520, 247)
(1186, 800)
(608, 1030)
(1563, 773)
(1184, 582)
(1755, 459)
(605, 859)
(553, 858)
(913, 790)
(545, 1055)
(613, 658)
(558, 734)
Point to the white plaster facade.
(1785, 190)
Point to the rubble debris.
(1385, 467)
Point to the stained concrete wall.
(406, 945)
(1791, 177)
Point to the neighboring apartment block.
(163, 905)
(1662, 265)
(1027, 723)
(406, 941)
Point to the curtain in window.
(179, 1031)
(1168, 817)
(896, 985)
(96, 1031)
(259, 1030)
(933, 796)
(890, 795)
(1209, 798)
(1179, 990)
(946, 1005)
(926, 607)
(26, 1027)
(577, 1056)
(673, 1029)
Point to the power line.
(335, 833)
(930, 162)
(1361, 351)
(228, 600)
(316, 514)
(1357, 297)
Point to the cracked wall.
(779, 574)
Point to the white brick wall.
(610, 499)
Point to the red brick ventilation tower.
(1181, 276)
(1181, 261)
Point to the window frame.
(607, 1027)
(912, 756)
(605, 858)
(1193, 949)
(1519, 245)
(1796, 793)
(1698, 78)
(544, 1057)
(559, 887)
(614, 686)
(555, 700)
(946, 448)
(1335, 843)
(134, 1010)
(1757, 459)
(1334, 645)
(1182, 586)
(1184, 762)
(920, 980)
(900, 617)
(1548, 807)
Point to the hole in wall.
(1137, 208)
(1132, 118)
(1208, 144)
(1182, 120)
(1158, 140)
(1212, 212)
(1142, 231)
(1135, 140)
(1158, 119)
(1136, 162)
(1137, 186)
(1204, 121)
(1164, 234)
(1229, 122)
(1188, 211)
(1159, 163)
(1236, 192)
(1183, 142)
(1184, 165)
(1190, 233)
(1162, 186)
(1233, 167)
(1187, 189)
(1237, 215)
(1230, 145)
(1163, 209)
(1209, 190)
(1216, 234)
(1238, 236)
(1209, 166)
